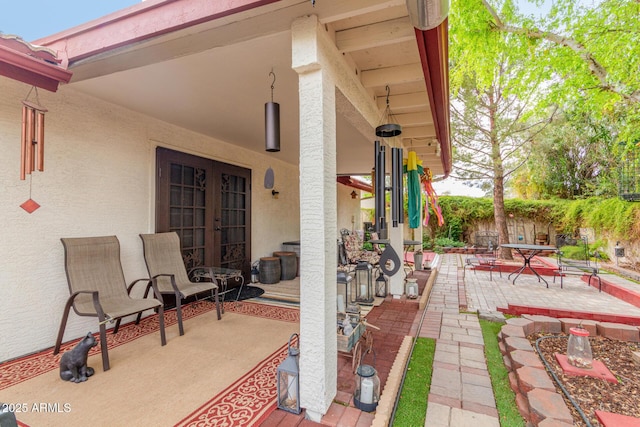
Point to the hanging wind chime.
(272, 121)
(32, 143)
(388, 129)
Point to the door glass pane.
(188, 176)
(200, 233)
(176, 174)
(187, 217)
(175, 218)
(188, 196)
(199, 217)
(176, 195)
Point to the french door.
(208, 203)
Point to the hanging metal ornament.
(388, 129)
(272, 122)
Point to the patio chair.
(354, 250)
(163, 257)
(487, 260)
(98, 288)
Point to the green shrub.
(445, 242)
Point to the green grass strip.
(504, 395)
(412, 408)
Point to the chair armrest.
(96, 303)
(132, 284)
(172, 277)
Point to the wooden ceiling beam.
(379, 34)
(392, 75)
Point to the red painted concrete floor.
(396, 319)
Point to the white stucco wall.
(348, 209)
(99, 180)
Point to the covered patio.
(165, 83)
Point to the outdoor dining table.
(528, 252)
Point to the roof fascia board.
(27, 69)
(434, 53)
(124, 27)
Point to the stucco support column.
(318, 218)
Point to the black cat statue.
(73, 364)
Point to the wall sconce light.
(272, 122)
(354, 195)
(274, 194)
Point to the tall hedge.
(617, 217)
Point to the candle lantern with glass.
(367, 392)
(288, 380)
(412, 288)
(343, 291)
(364, 283)
(381, 286)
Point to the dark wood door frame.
(211, 206)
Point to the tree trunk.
(500, 217)
(498, 182)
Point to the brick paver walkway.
(461, 392)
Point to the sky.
(36, 19)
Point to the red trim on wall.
(434, 54)
(31, 70)
(351, 182)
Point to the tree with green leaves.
(575, 157)
(590, 54)
(577, 57)
(494, 97)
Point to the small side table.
(222, 276)
(409, 244)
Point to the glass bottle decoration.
(579, 349)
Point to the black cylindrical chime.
(272, 122)
(397, 209)
(272, 126)
(380, 190)
(400, 187)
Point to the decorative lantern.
(364, 283)
(255, 273)
(367, 392)
(288, 381)
(381, 286)
(579, 349)
(342, 296)
(412, 288)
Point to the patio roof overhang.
(31, 64)
(195, 63)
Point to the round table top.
(528, 247)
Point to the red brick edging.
(536, 396)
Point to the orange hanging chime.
(32, 142)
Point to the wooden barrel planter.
(288, 264)
(269, 270)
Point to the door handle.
(218, 228)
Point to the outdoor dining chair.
(166, 267)
(98, 288)
(354, 250)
